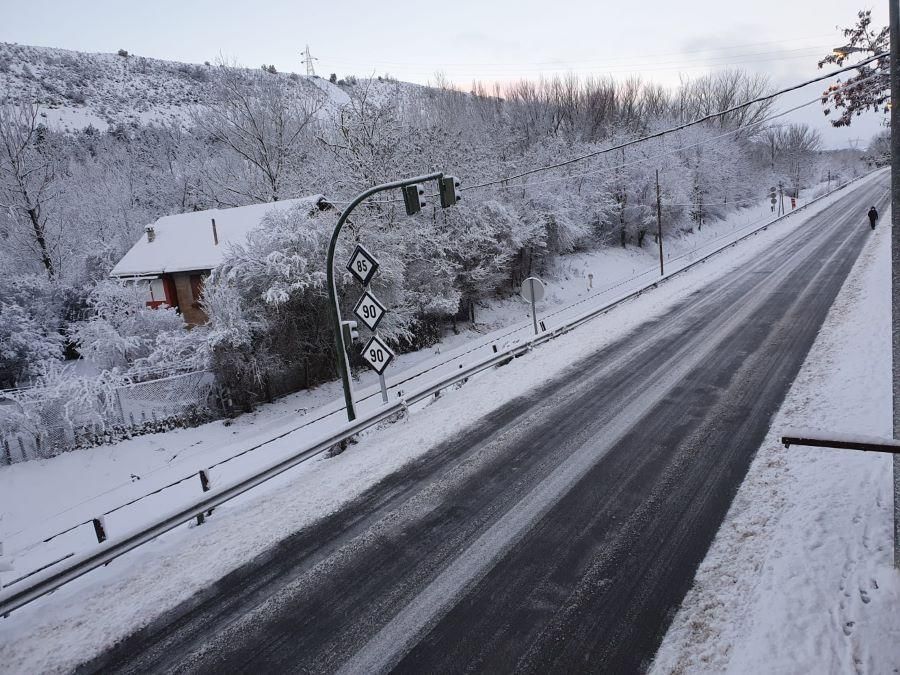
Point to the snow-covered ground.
(799, 578)
(80, 619)
(39, 499)
(80, 89)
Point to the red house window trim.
(170, 296)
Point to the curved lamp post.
(343, 361)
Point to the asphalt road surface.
(559, 535)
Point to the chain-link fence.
(42, 422)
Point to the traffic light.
(449, 191)
(350, 332)
(412, 197)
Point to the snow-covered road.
(40, 500)
(626, 462)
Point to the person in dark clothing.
(873, 216)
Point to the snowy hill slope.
(78, 89)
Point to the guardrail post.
(100, 529)
(205, 485)
(5, 566)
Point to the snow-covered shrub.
(25, 345)
(32, 315)
(121, 328)
(176, 350)
(60, 410)
(236, 337)
(85, 401)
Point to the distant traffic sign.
(533, 289)
(377, 354)
(362, 265)
(533, 292)
(369, 310)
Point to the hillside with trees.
(158, 138)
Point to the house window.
(157, 291)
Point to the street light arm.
(342, 360)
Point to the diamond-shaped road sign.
(377, 354)
(362, 265)
(369, 310)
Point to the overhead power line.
(510, 72)
(624, 71)
(720, 51)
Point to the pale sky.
(659, 39)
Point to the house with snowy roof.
(176, 253)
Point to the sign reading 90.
(377, 354)
(369, 310)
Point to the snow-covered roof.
(185, 242)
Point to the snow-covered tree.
(33, 311)
(879, 151)
(25, 345)
(870, 87)
(263, 124)
(28, 184)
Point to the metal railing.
(48, 580)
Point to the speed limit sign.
(377, 354)
(369, 310)
(362, 265)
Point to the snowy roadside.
(799, 577)
(40, 499)
(92, 613)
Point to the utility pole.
(894, 21)
(662, 269)
(308, 60)
(780, 198)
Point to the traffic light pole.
(343, 361)
(894, 20)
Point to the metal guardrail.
(48, 580)
(813, 439)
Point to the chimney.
(151, 233)
(215, 233)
